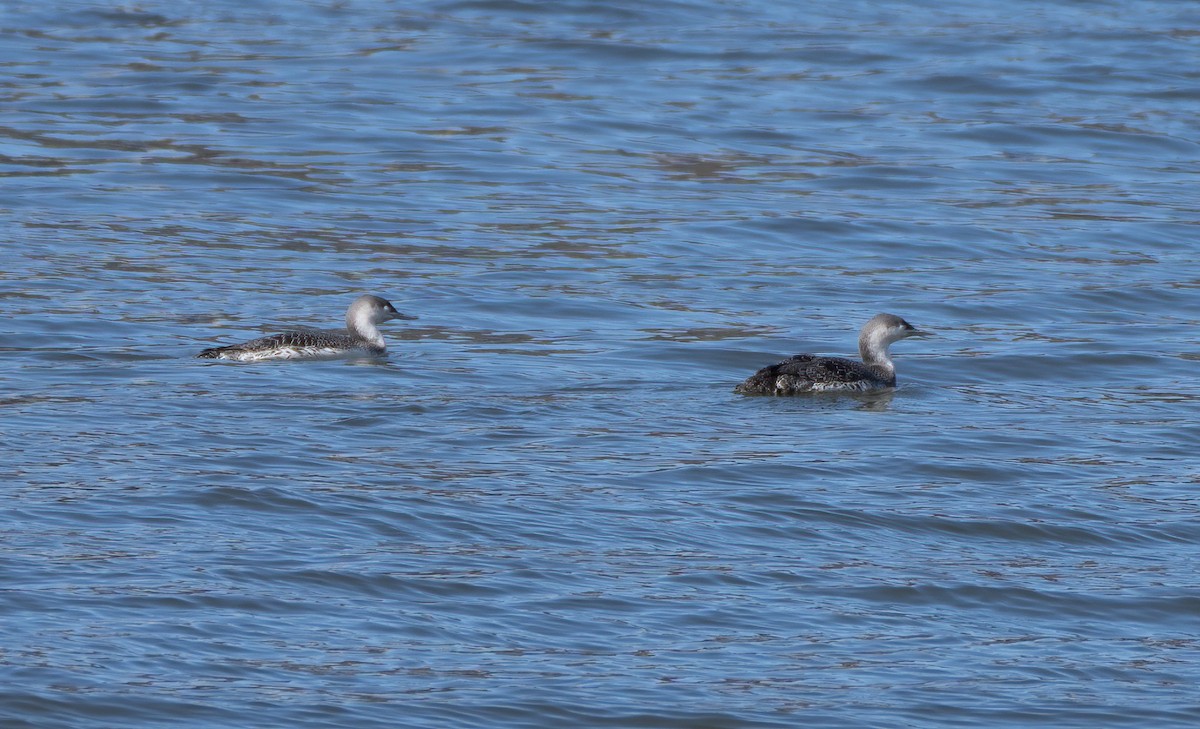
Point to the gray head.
(366, 313)
(372, 309)
(879, 333)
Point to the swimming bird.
(806, 373)
(362, 337)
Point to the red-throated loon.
(806, 373)
(362, 337)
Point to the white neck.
(361, 323)
(873, 347)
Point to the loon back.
(805, 373)
(294, 345)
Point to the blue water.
(546, 507)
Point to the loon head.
(880, 333)
(372, 309)
(891, 328)
(366, 314)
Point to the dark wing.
(805, 373)
(306, 338)
(824, 369)
(311, 338)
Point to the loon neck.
(361, 324)
(874, 352)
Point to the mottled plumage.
(805, 373)
(809, 373)
(301, 344)
(361, 337)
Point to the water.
(546, 507)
